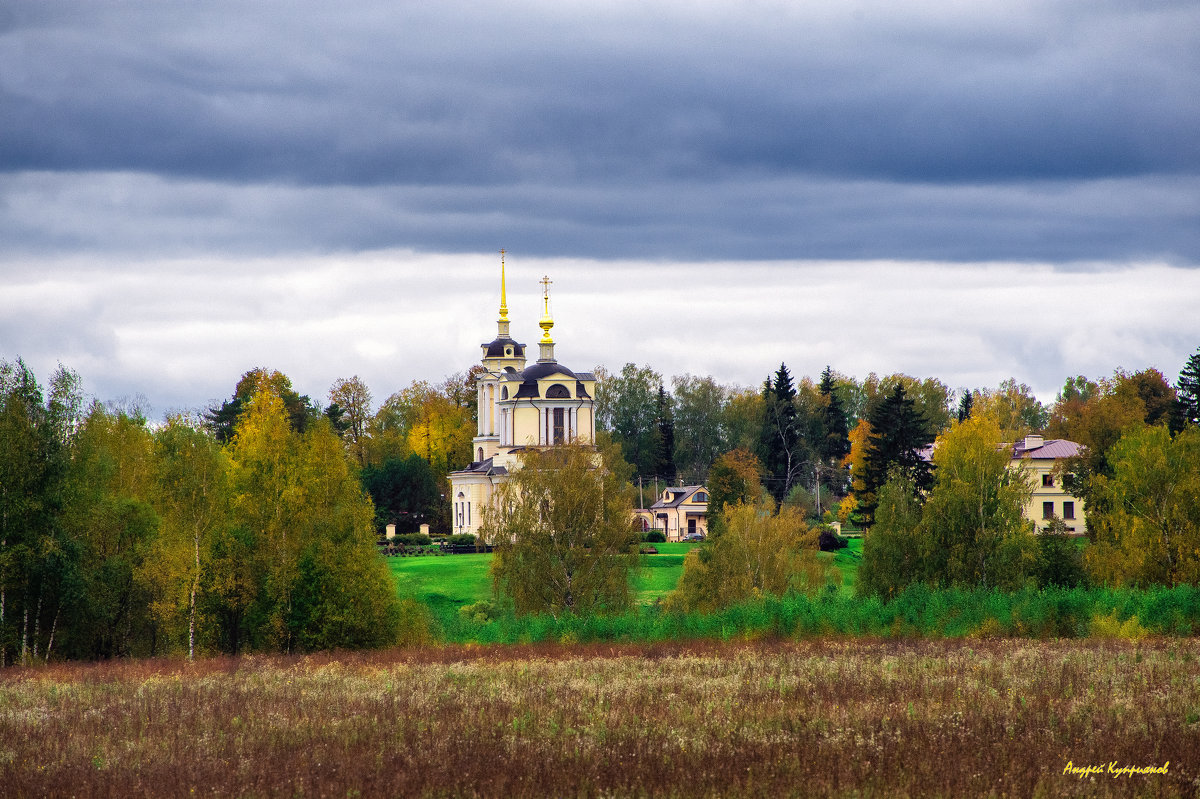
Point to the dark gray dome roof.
(496, 349)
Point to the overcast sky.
(967, 191)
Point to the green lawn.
(464, 579)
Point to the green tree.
(405, 493)
(898, 433)
(972, 525)
(966, 404)
(780, 441)
(38, 561)
(1187, 396)
(664, 459)
(734, 477)
(563, 534)
(108, 512)
(700, 431)
(626, 407)
(892, 549)
(1149, 530)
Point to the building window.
(1047, 510)
(1047, 481)
(504, 393)
(558, 391)
(480, 454)
(559, 426)
(1068, 510)
(700, 496)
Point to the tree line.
(244, 529)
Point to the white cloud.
(181, 332)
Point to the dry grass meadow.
(836, 718)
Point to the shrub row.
(917, 612)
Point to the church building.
(520, 407)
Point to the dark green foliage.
(334, 606)
(39, 562)
(780, 438)
(892, 548)
(405, 493)
(1059, 558)
(965, 404)
(664, 461)
(835, 430)
(898, 433)
(418, 539)
(655, 537)
(1187, 395)
(461, 540)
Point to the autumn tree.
(1149, 530)
(223, 419)
(972, 528)
(436, 422)
(352, 398)
(307, 528)
(563, 534)
(191, 496)
(1014, 407)
(758, 552)
(742, 419)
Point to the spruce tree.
(1187, 395)
(965, 405)
(664, 462)
(835, 440)
(898, 434)
(780, 434)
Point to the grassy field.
(464, 579)
(771, 718)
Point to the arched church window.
(480, 454)
(558, 391)
(504, 393)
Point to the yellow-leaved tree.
(1149, 532)
(307, 528)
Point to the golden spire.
(546, 322)
(503, 296)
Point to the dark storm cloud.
(1057, 131)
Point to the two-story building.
(679, 511)
(1050, 500)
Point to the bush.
(829, 541)
(412, 540)
(461, 540)
(654, 537)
